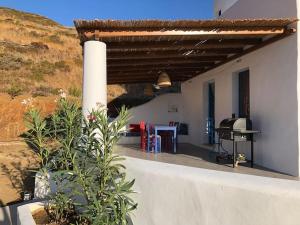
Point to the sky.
(65, 11)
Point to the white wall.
(261, 9)
(222, 5)
(175, 195)
(156, 112)
(273, 91)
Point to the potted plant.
(86, 182)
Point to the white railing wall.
(178, 195)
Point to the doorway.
(211, 113)
(241, 94)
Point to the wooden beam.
(158, 63)
(140, 80)
(101, 35)
(212, 43)
(149, 51)
(196, 67)
(287, 33)
(182, 50)
(170, 69)
(143, 77)
(185, 73)
(200, 58)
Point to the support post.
(94, 90)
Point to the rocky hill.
(38, 57)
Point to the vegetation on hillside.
(40, 56)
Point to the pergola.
(118, 52)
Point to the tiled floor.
(189, 155)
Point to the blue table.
(167, 128)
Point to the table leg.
(175, 142)
(233, 152)
(252, 154)
(219, 143)
(155, 142)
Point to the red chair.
(143, 135)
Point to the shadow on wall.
(125, 100)
(135, 97)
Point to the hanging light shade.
(148, 90)
(164, 80)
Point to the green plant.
(45, 67)
(37, 135)
(62, 66)
(14, 91)
(66, 127)
(99, 173)
(74, 91)
(85, 165)
(55, 39)
(11, 62)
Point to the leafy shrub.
(74, 91)
(39, 70)
(14, 91)
(55, 39)
(35, 34)
(11, 62)
(37, 135)
(62, 66)
(45, 91)
(78, 61)
(85, 165)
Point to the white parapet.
(220, 6)
(175, 195)
(94, 76)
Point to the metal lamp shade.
(148, 90)
(164, 80)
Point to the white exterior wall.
(177, 195)
(222, 5)
(156, 111)
(273, 103)
(273, 91)
(259, 8)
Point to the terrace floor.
(190, 155)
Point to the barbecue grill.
(235, 130)
(227, 126)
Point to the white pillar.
(94, 76)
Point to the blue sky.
(65, 11)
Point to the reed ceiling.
(137, 51)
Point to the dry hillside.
(38, 57)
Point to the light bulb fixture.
(164, 80)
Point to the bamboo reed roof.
(137, 51)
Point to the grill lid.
(236, 124)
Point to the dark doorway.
(244, 94)
(211, 113)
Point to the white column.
(94, 76)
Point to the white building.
(273, 87)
